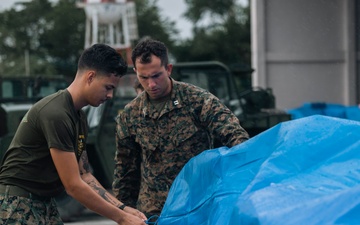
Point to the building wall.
(305, 50)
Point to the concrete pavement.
(91, 218)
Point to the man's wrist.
(122, 206)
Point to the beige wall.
(304, 50)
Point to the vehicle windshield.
(213, 81)
(29, 89)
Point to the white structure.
(305, 50)
(111, 22)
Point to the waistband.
(18, 191)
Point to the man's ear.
(134, 69)
(90, 76)
(169, 68)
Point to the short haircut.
(104, 59)
(147, 47)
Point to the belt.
(17, 191)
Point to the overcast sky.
(174, 10)
(4, 4)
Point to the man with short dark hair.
(164, 127)
(48, 152)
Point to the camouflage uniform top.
(152, 146)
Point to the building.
(307, 50)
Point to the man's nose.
(110, 94)
(151, 83)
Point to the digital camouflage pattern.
(152, 146)
(19, 210)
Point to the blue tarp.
(326, 109)
(304, 171)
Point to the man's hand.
(130, 219)
(135, 212)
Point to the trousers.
(19, 207)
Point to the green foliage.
(53, 36)
(64, 42)
(151, 23)
(225, 38)
(197, 8)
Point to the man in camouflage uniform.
(161, 129)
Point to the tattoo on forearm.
(85, 169)
(84, 163)
(102, 192)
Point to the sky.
(5, 4)
(174, 10)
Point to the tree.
(198, 8)
(64, 42)
(18, 35)
(152, 23)
(50, 35)
(225, 38)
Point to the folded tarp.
(304, 171)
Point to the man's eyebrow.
(153, 75)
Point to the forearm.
(71, 172)
(233, 133)
(107, 196)
(100, 190)
(223, 124)
(93, 201)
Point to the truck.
(255, 108)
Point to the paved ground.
(90, 218)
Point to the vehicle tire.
(68, 207)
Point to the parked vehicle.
(255, 107)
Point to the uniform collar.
(175, 102)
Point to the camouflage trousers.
(17, 210)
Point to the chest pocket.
(146, 134)
(183, 131)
